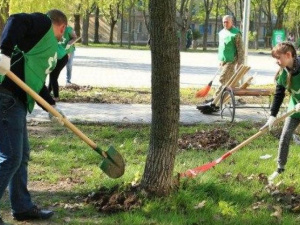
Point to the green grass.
(64, 170)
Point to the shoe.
(209, 100)
(69, 84)
(34, 213)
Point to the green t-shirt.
(294, 90)
(227, 48)
(67, 36)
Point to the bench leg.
(227, 102)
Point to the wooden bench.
(228, 101)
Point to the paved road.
(132, 68)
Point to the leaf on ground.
(200, 205)
(277, 213)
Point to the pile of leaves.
(286, 197)
(207, 140)
(115, 199)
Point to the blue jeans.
(69, 67)
(14, 153)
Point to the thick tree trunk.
(158, 174)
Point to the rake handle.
(52, 110)
(259, 133)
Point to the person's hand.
(4, 64)
(297, 107)
(269, 123)
(57, 119)
(68, 46)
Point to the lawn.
(64, 174)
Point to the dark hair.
(57, 17)
(283, 48)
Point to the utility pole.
(246, 19)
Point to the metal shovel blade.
(113, 163)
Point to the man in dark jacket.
(29, 49)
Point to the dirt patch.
(115, 199)
(207, 140)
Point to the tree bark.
(85, 28)
(158, 173)
(4, 10)
(96, 34)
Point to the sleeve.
(24, 30)
(240, 49)
(278, 99)
(44, 93)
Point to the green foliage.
(227, 209)
(196, 34)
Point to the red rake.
(204, 91)
(207, 166)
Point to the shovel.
(200, 169)
(113, 164)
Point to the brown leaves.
(115, 200)
(207, 140)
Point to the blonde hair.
(283, 48)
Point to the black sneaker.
(209, 100)
(34, 213)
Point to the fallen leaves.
(207, 140)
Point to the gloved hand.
(68, 46)
(57, 119)
(269, 123)
(4, 64)
(297, 107)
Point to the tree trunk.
(208, 7)
(96, 35)
(77, 24)
(85, 28)
(158, 173)
(111, 34)
(216, 23)
(4, 10)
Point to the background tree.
(183, 19)
(97, 25)
(208, 5)
(158, 173)
(279, 8)
(4, 12)
(111, 10)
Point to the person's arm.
(73, 37)
(240, 54)
(44, 93)
(23, 30)
(278, 99)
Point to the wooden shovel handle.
(50, 109)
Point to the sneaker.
(69, 84)
(34, 213)
(209, 100)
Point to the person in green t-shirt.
(29, 49)
(287, 78)
(230, 52)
